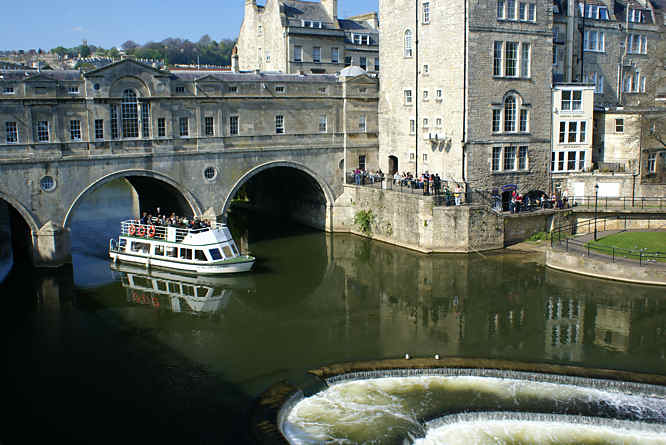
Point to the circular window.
(96, 86)
(47, 183)
(210, 173)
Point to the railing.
(154, 231)
(562, 237)
(606, 202)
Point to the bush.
(364, 219)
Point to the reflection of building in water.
(175, 295)
(564, 328)
(612, 328)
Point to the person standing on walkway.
(457, 194)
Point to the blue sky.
(47, 24)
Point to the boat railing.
(156, 231)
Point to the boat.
(207, 250)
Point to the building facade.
(471, 102)
(299, 36)
(573, 115)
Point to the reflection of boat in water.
(204, 251)
(177, 293)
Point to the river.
(90, 360)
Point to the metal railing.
(134, 228)
(564, 237)
(642, 202)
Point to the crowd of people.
(428, 183)
(180, 222)
(525, 202)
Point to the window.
(8, 90)
(260, 29)
(361, 162)
(425, 95)
(500, 9)
(159, 251)
(652, 163)
(376, 63)
(268, 56)
(232, 89)
(560, 161)
(280, 89)
(438, 94)
(522, 11)
(426, 122)
(426, 69)
(426, 13)
(335, 55)
(510, 58)
(571, 100)
(233, 125)
(619, 125)
(99, 128)
(497, 120)
(11, 135)
(209, 128)
(522, 158)
(593, 12)
(636, 44)
(523, 121)
(361, 123)
(552, 161)
(129, 114)
(43, 131)
(408, 97)
(525, 60)
(511, 9)
(185, 254)
(279, 124)
(636, 16)
(408, 43)
(594, 41)
(348, 60)
(497, 59)
(497, 152)
(363, 62)
(114, 122)
(199, 255)
(322, 91)
(598, 80)
(73, 91)
(532, 12)
(180, 89)
(184, 127)
(161, 127)
(510, 114)
(582, 132)
(323, 121)
(555, 51)
(215, 254)
(316, 54)
(145, 120)
(571, 160)
(581, 160)
(563, 132)
(509, 158)
(438, 122)
(573, 130)
(412, 126)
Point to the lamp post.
(596, 194)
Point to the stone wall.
(413, 222)
(518, 227)
(612, 185)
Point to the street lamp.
(596, 194)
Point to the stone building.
(293, 36)
(617, 45)
(472, 100)
(128, 106)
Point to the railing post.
(640, 258)
(613, 254)
(588, 249)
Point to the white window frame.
(439, 95)
(426, 13)
(335, 55)
(43, 133)
(234, 122)
(8, 90)
(362, 124)
(636, 43)
(298, 53)
(316, 54)
(184, 127)
(323, 123)
(408, 97)
(599, 43)
(75, 130)
(11, 129)
(73, 91)
(279, 124)
(652, 162)
(568, 105)
(408, 43)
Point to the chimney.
(331, 7)
(250, 8)
(234, 60)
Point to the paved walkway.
(577, 245)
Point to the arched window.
(129, 114)
(408, 43)
(510, 114)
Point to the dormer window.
(8, 90)
(180, 89)
(360, 39)
(73, 91)
(311, 24)
(593, 12)
(636, 16)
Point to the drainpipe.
(464, 116)
(582, 43)
(416, 92)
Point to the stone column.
(51, 246)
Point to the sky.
(46, 24)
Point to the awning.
(509, 187)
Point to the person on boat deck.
(145, 219)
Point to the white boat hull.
(199, 269)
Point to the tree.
(129, 45)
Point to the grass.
(648, 242)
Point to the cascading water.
(390, 406)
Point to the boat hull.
(199, 269)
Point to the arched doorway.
(393, 164)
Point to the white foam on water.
(389, 408)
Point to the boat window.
(215, 254)
(172, 252)
(199, 255)
(217, 292)
(188, 290)
(140, 247)
(174, 288)
(122, 244)
(143, 282)
(227, 252)
(161, 285)
(186, 254)
(124, 280)
(233, 246)
(159, 250)
(202, 291)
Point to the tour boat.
(203, 251)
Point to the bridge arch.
(325, 188)
(189, 198)
(27, 216)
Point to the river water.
(92, 357)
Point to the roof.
(353, 25)
(54, 75)
(306, 11)
(227, 76)
(352, 71)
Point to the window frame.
(408, 43)
(184, 127)
(99, 129)
(234, 125)
(161, 127)
(11, 132)
(209, 126)
(43, 133)
(279, 124)
(426, 13)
